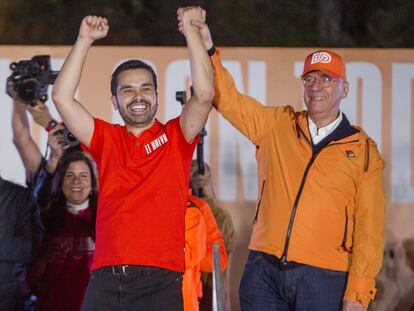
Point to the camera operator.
(28, 85)
(28, 150)
(39, 168)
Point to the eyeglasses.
(325, 81)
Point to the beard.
(138, 120)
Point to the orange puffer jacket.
(324, 209)
(213, 235)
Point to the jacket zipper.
(283, 258)
(260, 201)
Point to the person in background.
(223, 218)
(200, 235)
(220, 230)
(61, 271)
(20, 235)
(21, 229)
(195, 251)
(29, 152)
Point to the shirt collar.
(148, 133)
(76, 208)
(325, 130)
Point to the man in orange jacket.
(317, 239)
(201, 232)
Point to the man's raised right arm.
(76, 118)
(248, 115)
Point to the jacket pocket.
(346, 244)
(259, 202)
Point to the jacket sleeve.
(213, 236)
(20, 245)
(249, 116)
(195, 237)
(368, 245)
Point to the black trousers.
(11, 297)
(133, 288)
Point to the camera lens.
(28, 90)
(69, 138)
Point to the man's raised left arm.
(197, 108)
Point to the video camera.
(30, 79)
(68, 137)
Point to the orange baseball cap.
(326, 61)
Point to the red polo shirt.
(143, 184)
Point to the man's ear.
(345, 89)
(114, 102)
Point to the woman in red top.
(69, 221)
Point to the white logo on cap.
(321, 57)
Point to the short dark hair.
(131, 64)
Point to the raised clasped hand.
(194, 18)
(93, 28)
(187, 15)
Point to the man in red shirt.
(143, 174)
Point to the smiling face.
(77, 183)
(136, 98)
(322, 95)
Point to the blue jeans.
(267, 287)
(135, 288)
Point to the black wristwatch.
(211, 51)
